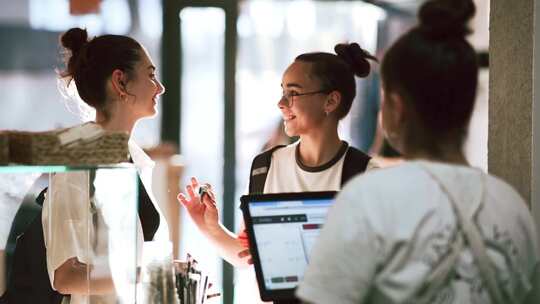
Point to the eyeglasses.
(288, 98)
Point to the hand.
(244, 241)
(243, 238)
(203, 213)
(246, 254)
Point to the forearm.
(227, 245)
(74, 277)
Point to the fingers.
(194, 183)
(191, 192)
(192, 197)
(188, 204)
(182, 198)
(244, 243)
(243, 239)
(244, 253)
(211, 193)
(209, 202)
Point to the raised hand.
(202, 210)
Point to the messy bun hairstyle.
(90, 63)
(336, 72)
(434, 69)
(445, 19)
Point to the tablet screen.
(285, 232)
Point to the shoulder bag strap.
(259, 170)
(355, 162)
(474, 238)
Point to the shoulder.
(355, 158)
(274, 152)
(356, 153)
(140, 158)
(507, 198)
(384, 188)
(498, 186)
(284, 151)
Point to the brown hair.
(336, 72)
(91, 62)
(434, 69)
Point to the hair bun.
(74, 39)
(356, 57)
(443, 18)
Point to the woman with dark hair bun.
(115, 76)
(433, 229)
(318, 90)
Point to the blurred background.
(221, 62)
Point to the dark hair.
(91, 62)
(434, 69)
(336, 72)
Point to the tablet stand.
(287, 302)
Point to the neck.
(319, 147)
(115, 123)
(446, 154)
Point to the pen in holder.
(159, 279)
(191, 283)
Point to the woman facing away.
(115, 76)
(318, 91)
(433, 229)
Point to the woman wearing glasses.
(318, 91)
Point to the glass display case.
(89, 223)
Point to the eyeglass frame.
(291, 101)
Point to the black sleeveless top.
(148, 215)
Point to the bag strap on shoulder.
(472, 235)
(355, 162)
(259, 170)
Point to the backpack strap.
(355, 162)
(259, 170)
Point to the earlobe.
(332, 102)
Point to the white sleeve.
(344, 259)
(66, 220)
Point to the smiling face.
(144, 89)
(303, 114)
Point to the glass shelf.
(89, 215)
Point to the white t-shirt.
(288, 174)
(390, 227)
(69, 228)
